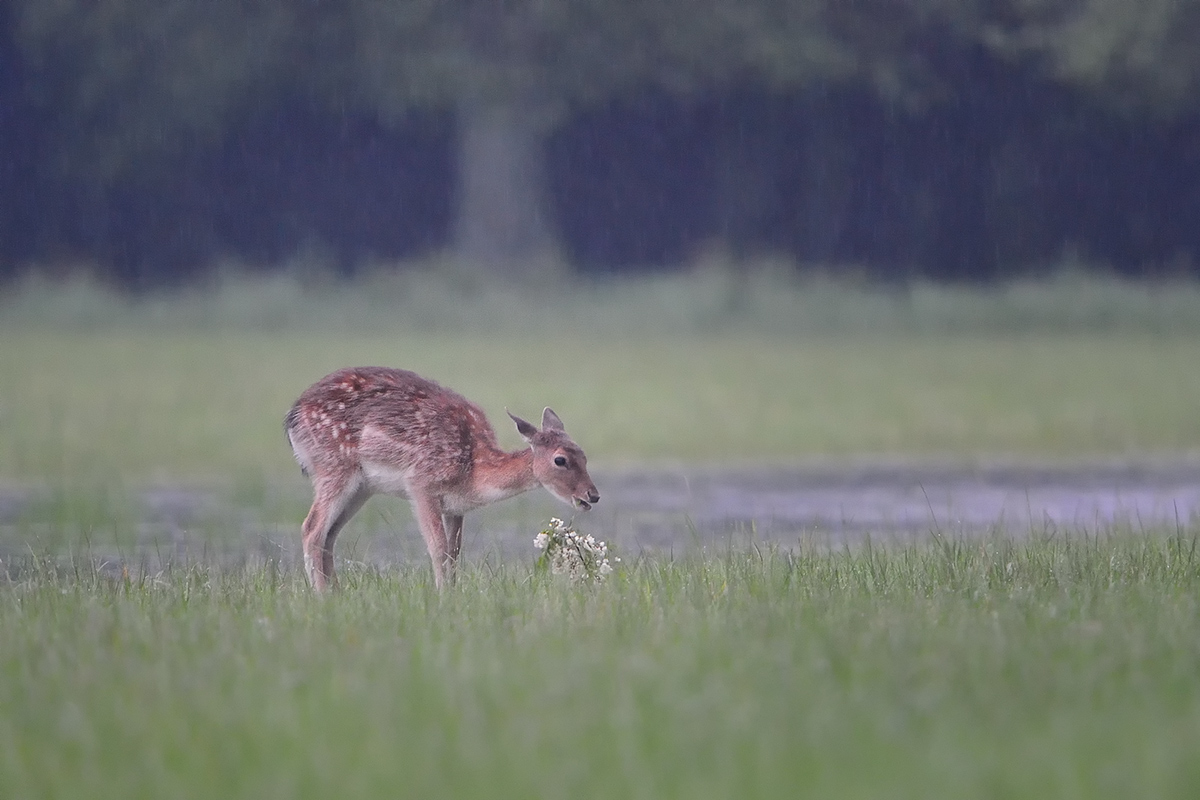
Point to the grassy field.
(92, 387)
(153, 405)
(1047, 667)
(1059, 668)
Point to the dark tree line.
(949, 138)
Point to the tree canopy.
(123, 86)
(130, 77)
(1143, 55)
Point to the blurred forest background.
(150, 140)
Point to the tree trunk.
(503, 224)
(745, 186)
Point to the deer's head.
(558, 463)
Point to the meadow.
(1057, 664)
(1053, 668)
(702, 369)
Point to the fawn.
(374, 430)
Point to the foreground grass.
(1047, 668)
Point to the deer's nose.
(593, 496)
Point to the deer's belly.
(387, 478)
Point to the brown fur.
(375, 430)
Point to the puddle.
(906, 501)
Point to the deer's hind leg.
(336, 500)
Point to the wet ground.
(643, 510)
(845, 504)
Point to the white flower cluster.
(582, 558)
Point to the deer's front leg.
(429, 517)
(454, 528)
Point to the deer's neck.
(499, 474)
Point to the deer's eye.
(559, 461)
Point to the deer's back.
(377, 418)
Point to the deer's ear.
(526, 430)
(550, 421)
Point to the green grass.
(716, 297)
(139, 400)
(1064, 667)
(163, 406)
(1040, 667)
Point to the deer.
(362, 431)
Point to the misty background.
(149, 141)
